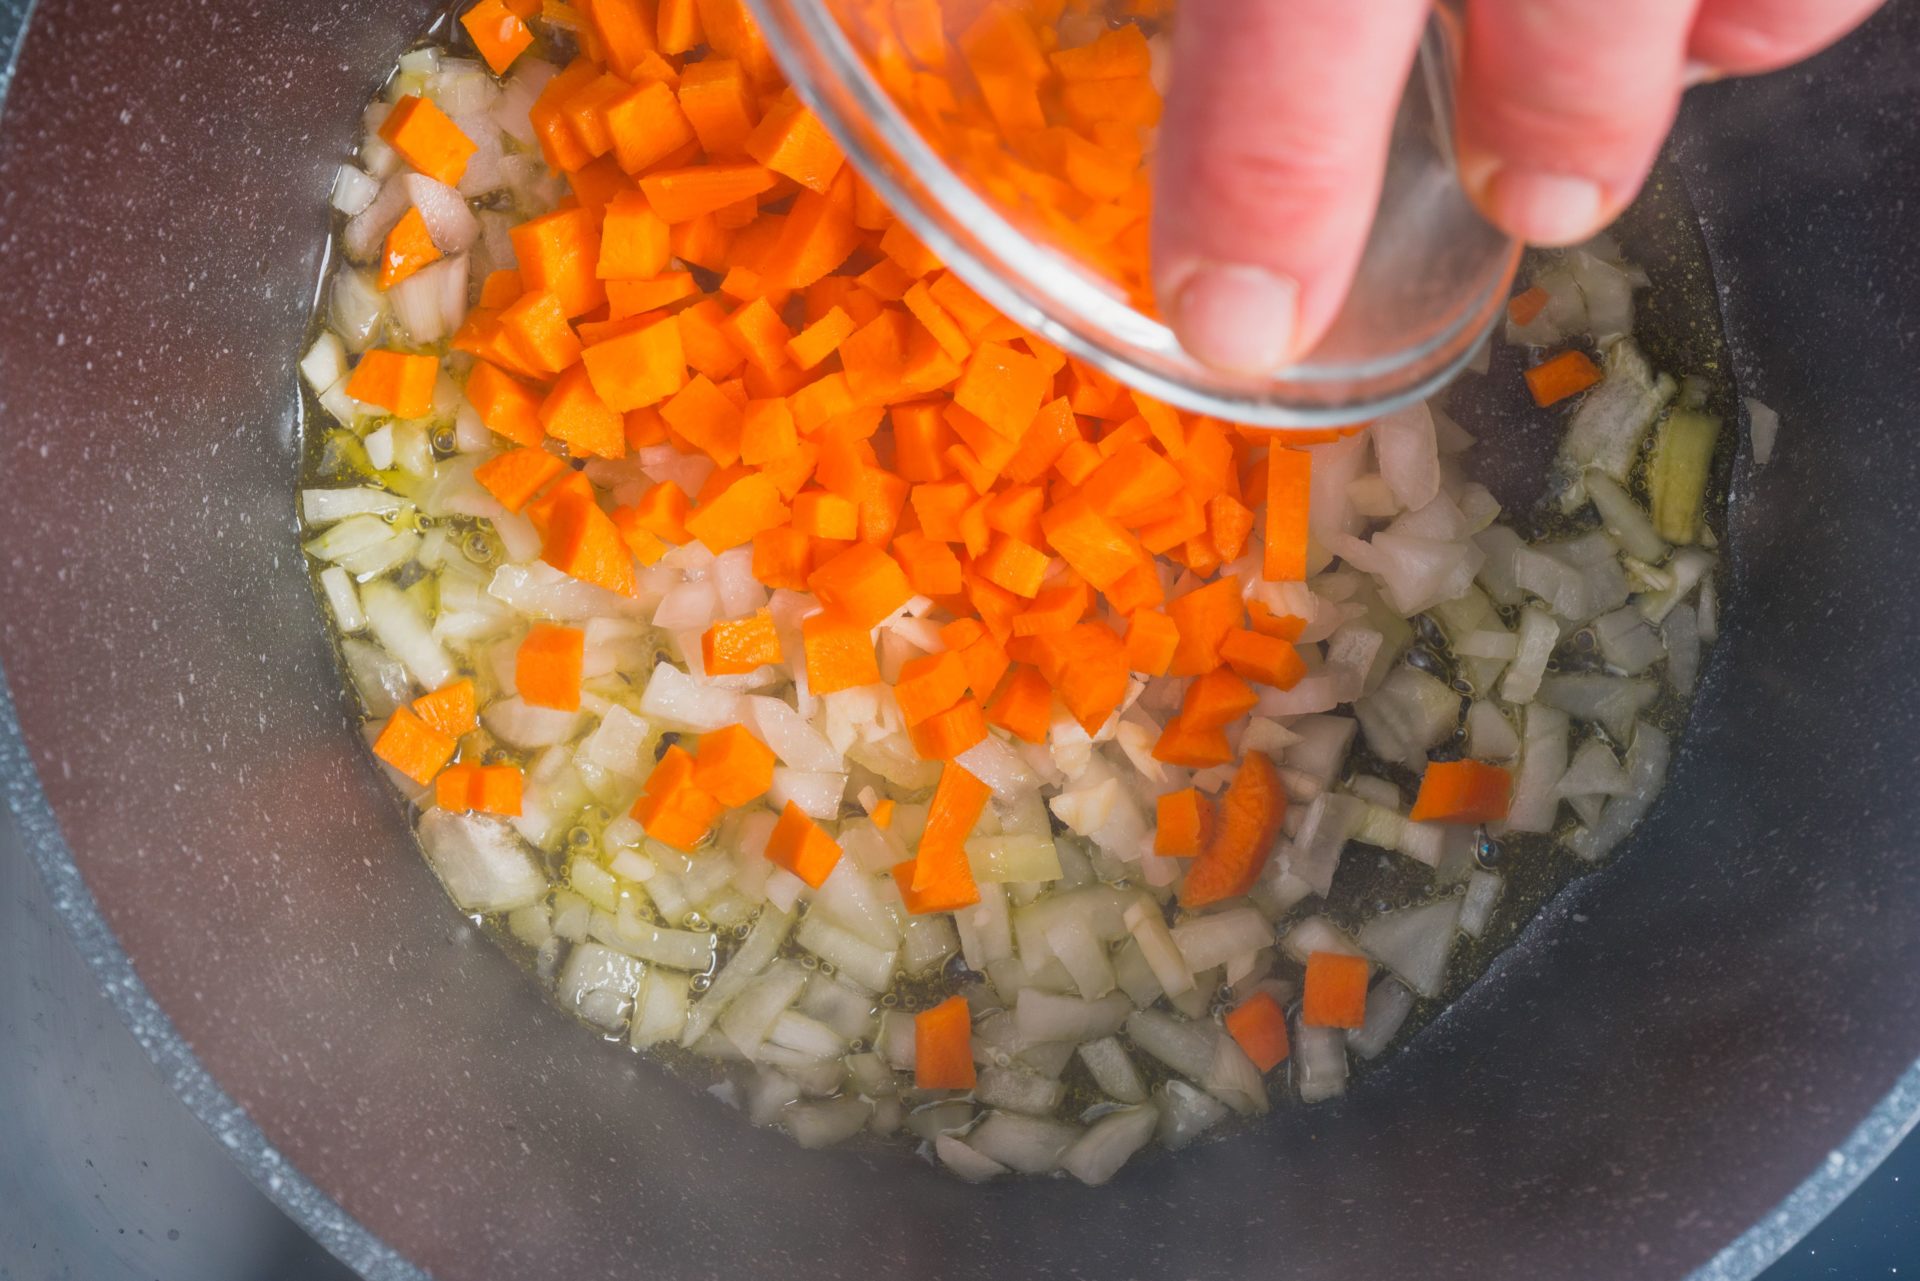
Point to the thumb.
(1271, 153)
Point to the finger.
(1747, 37)
(1269, 167)
(1563, 106)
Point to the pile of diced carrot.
(720, 280)
(1051, 127)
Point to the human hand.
(1274, 139)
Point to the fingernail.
(1546, 208)
(1698, 73)
(1236, 317)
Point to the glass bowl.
(1431, 283)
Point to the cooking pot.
(1688, 1058)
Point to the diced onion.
(1388, 1005)
(1414, 942)
(1763, 428)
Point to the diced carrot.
(1266, 659)
(920, 902)
(817, 235)
(1568, 374)
(706, 419)
(1286, 627)
(1091, 677)
(782, 558)
(1152, 639)
(945, 734)
(517, 475)
(582, 542)
(802, 847)
(1217, 698)
(1137, 589)
(972, 313)
(625, 32)
(585, 112)
(427, 139)
(633, 240)
(673, 809)
(1289, 481)
(820, 514)
(733, 766)
(1192, 746)
(479, 788)
(1130, 482)
(497, 33)
(883, 496)
(943, 1046)
(820, 339)
(1184, 823)
(1051, 432)
(400, 383)
(1245, 830)
(1335, 993)
(647, 127)
(1525, 307)
(680, 195)
(1099, 550)
(627, 298)
(662, 511)
(571, 484)
(1054, 609)
(820, 402)
(791, 140)
(559, 253)
(1229, 522)
(749, 506)
(715, 96)
(453, 788)
(734, 647)
(929, 685)
(940, 867)
(931, 567)
(1259, 1027)
(504, 403)
(767, 432)
(703, 337)
(408, 248)
(1024, 705)
(496, 790)
(413, 747)
(985, 658)
(757, 330)
(559, 144)
(881, 813)
(451, 709)
(1078, 461)
(638, 369)
(732, 33)
(1179, 521)
(546, 669)
(1463, 792)
(678, 30)
(862, 583)
(644, 545)
(574, 415)
(1014, 565)
(598, 184)
(536, 324)
(500, 288)
(839, 653)
(1204, 616)
(1002, 387)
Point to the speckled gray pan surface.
(1667, 1060)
